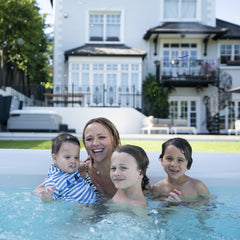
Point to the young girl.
(176, 158)
(64, 181)
(128, 173)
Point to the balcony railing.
(189, 72)
(94, 96)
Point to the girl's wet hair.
(108, 125)
(63, 138)
(141, 158)
(181, 144)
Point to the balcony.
(189, 73)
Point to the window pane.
(96, 27)
(124, 82)
(134, 82)
(75, 81)
(75, 66)
(85, 81)
(171, 8)
(188, 9)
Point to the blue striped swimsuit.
(69, 186)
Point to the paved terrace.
(160, 137)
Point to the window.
(180, 9)
(179, 55)
(104, 26)
(184, 110)
(229, 52)
(226, 53)
(237, 52)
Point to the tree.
(155, 99)
(23, 44)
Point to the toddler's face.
(67, 158)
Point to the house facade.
(104, 50)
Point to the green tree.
(155, 99)
(23, 44)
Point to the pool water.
(24, 216)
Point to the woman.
(100, 137)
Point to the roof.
(108, 50)
(233, 30)
(184, 28)
(234, 90)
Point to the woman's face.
(98, 142)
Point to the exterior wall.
(71, 31)
(71, 26)
(127, 120)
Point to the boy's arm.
(46, 194)
(38, 189)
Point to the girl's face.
(67, 158)
(174, 162)
(98, 142)
(124, 171)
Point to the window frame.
(105, 39)
(233, 55)
(197, 17)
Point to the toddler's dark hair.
(61, 138)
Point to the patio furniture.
(236, 128)
(168, 125)
(149, 125)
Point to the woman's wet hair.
(181, 144)
(108, 125)
(141, 158)
(63, 138)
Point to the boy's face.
(174, 162)
(67, 158)
(124, 171)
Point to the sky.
(228, 10)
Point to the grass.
(197, 146)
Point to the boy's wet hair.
(108, 125)
(62, 138)
(141, 158)
(181, 144)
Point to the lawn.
(197, 146)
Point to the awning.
(234, 90)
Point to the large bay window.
(107, 84)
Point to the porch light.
(205, 100)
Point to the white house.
(103, 51)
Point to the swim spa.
(24, 216)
